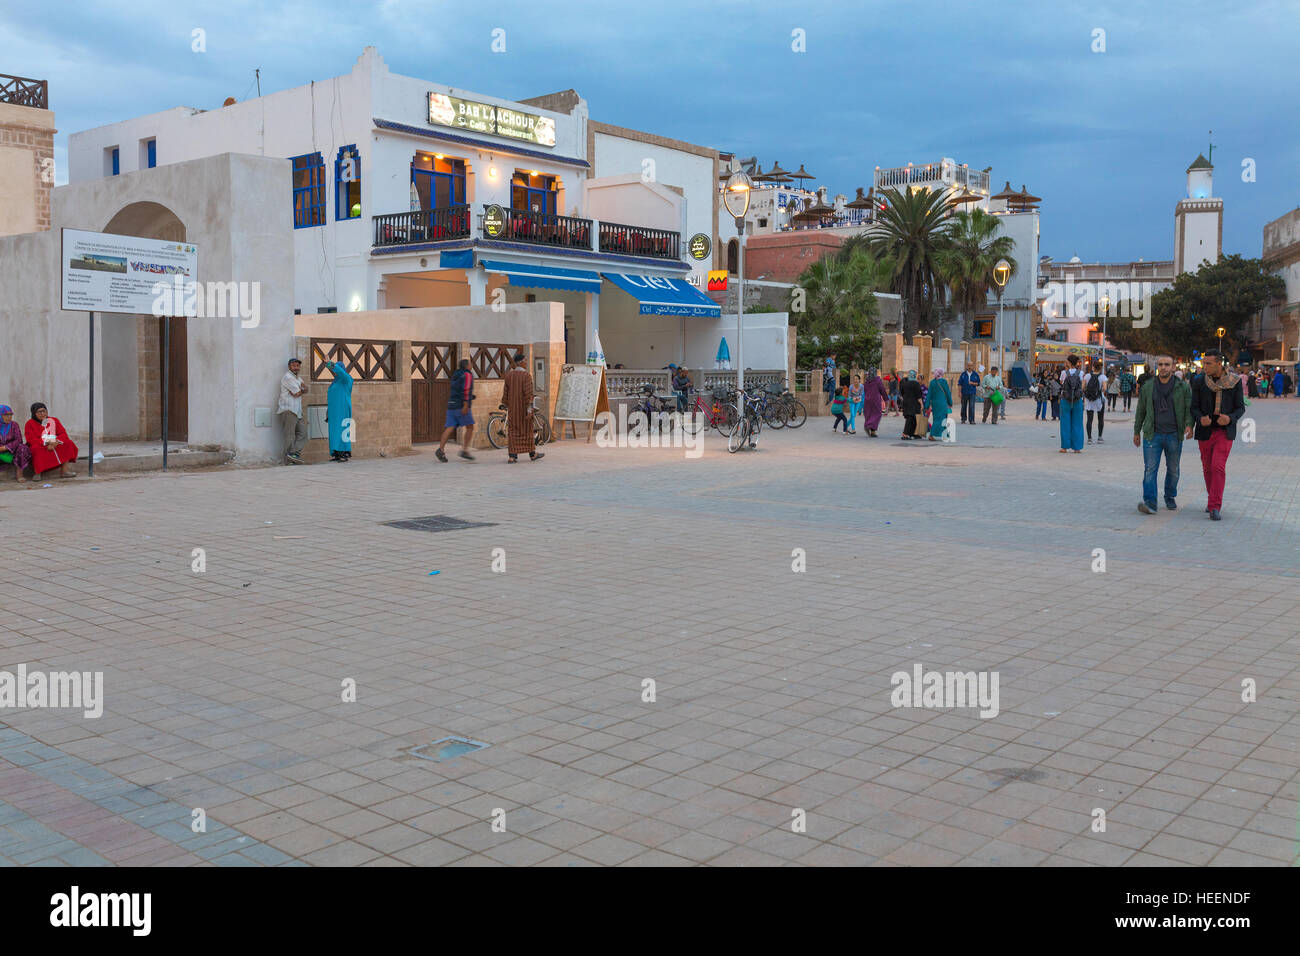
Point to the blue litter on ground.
(435, 572)
(448, 748)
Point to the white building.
(408, 193)
(1198, 220)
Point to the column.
(591, 324)
(477, 286)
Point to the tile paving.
(224, 689)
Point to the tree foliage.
(910, 232)
(966, 260)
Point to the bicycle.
(748, 428)
(795, 412)
(498, 429)
(656, 409)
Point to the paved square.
(1120, 691)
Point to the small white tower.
(1198, 220)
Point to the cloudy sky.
(1104, 137)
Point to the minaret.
(1198, 220)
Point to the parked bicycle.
(659, 412)
(751, 423)
(714, 410)
(499, 436)
(795, 412)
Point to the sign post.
(127, 275)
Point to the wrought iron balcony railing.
(22, 91)
(639, 241)
(423, 225)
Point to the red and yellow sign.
(717, 280)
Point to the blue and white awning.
(545, 277)
(660, 295)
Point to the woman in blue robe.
(338, 413)
(939, 400)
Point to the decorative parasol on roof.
(802, 174)
(777, 174)
(964, 196)
(860, 201)
(1007, 193)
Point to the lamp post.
(1220, 331)
(735, 196)
(1104, 302)
(1001, 272)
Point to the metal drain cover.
(437, 523)
(448, 748)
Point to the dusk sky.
(1104, 137)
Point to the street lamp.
(1104, 302)
(735, 196)
(1001, 272)
(1220, 332)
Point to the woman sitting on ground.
(13, 450)
(50, 445)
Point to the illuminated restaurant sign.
(478, 117)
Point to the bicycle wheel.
(693, 420)
(773, 416)
(798, 414)
(731, 416)
(739, 436)
(496, 430)
(541, 429)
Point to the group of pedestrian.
(1263, 383)
(866, 398)
(1171, 410)
(517, 398)
(42, 444)
(338, 412)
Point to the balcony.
(543, 229)
(639, 241)
(21, 91)
(525, 226)
(423, 225)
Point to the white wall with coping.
(231, 369)
(692, 173)
(521, 323)
(653, 341)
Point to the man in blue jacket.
(968, 383)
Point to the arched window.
(347, 183)
(733, 257)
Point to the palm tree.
(839, 303)
(966, 264)
(911, 231)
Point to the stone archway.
(132, 357)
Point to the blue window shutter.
(116, 168)
(153, 153)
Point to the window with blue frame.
(439, 180)
(114, 159)
(347, 183)
(533, 192)
(153, 153)
(308, 191)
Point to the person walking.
(909, 400)
(1217, 404)
(838, 402)
(1041, 396)
(874, 394)
(968, 385)
(939, 400)
(1163, 419)
(830, 377)
(992, 384)
(1094, 400)
(895, 387)
(460, 412)
(1252, 382)
(1071, 407)
(1127, 385)
(1112, 388)
(1054, 395)
(338, 413)
(293, 426)
(1279, 384)
(855, 403)
(517, 398)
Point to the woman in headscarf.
(874, 395)
(50, 445)
(909, 400)
(338, 413)
(939, 400)
(13, 450)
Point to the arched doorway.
(133, 352)
(733, 257)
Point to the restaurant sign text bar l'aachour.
(479, 117)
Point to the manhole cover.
(448, 748)
(437, 523)
(1008, 775)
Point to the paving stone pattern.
(224, 689)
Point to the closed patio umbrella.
(724, 354)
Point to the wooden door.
(178, 395)
(431, 366)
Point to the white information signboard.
(107, 273)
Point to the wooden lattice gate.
(431, 366)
